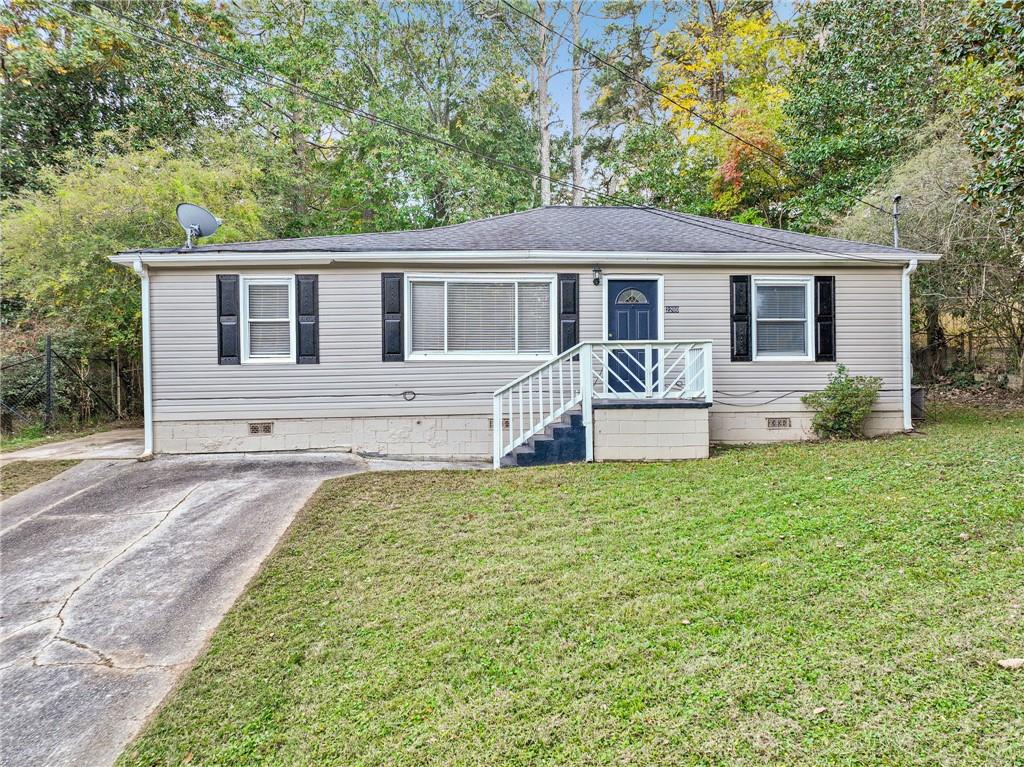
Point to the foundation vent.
(261, 427)
(780, 423)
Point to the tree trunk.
(575, 10)
(300, 151)
(936, 340)
(543, 106)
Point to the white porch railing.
(642, 370)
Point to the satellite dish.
(196, 221)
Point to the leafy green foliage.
(978, 285)
(989, 77)
(843, 405)
(724, 73)
(66, 79)
(57, 241)
(870, 78)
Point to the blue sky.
(593, 30)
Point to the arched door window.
(631, 296)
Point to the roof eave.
(244, 258)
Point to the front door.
(632, 316)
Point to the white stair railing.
(602, 370)
(528, 404)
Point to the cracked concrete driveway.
(114, 575)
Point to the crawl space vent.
(262, 427)
(780, 423)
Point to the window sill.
(475, 357)
(269, 361)
(783, 359)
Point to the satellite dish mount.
(196, 221)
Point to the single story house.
(554, 334)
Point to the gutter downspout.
(908, 367)
(147, 367)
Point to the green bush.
(843, 405)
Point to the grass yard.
(21, 475)
(830, 604)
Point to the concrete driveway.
(116, 443)
(114, 575)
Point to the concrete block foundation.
(663, 433)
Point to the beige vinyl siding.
(351, 379)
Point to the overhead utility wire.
(270, 78)
(781, 162)
(236, 68)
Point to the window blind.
(481, 317)
(781, 320)
(268, 319)
(268, 302)
(427, 306)
(269, 339)
(534, 317)
(781, 302)
(461, 316)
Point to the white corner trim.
(908, 365)
(147, 360)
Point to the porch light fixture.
(597, 275)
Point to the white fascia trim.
(489, 257)
(147, 360)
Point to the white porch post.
(498, 432)
(708, 388)
(587, 389)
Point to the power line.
(780, 162)
(271, 79)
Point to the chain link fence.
(57, 391)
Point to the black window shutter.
(307, 313)
(825, 319)
(739, 310)
(391, 288)
(228, 343)
(568, 311)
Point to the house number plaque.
(671, 310)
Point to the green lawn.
(841, 603)
(21, 475)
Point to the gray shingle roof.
(559, 228)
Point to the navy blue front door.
(632, 316)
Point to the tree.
(978, 286)
(67, 79)
(870, 78)
(988, 75)
(436, 67)
(722, 71)
(575, 12)
(57, 238)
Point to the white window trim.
(479, 356)
(808, 284)
(244, 283)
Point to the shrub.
(843, 405)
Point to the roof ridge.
(386, 231)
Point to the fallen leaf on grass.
(1012, 664)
